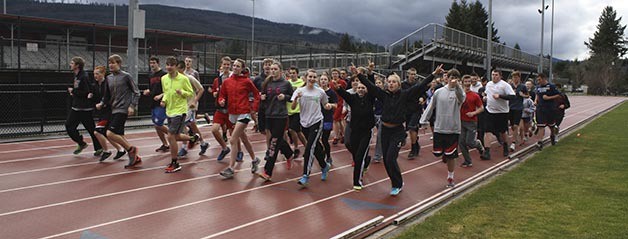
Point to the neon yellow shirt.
(295, 84)
(176, 104)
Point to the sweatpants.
(378, 141)
(468, 139)
(314, 148)
(391, 144)
(85, 118)
(326, 146)
(277, 143)
(347, 134)
(360, 139)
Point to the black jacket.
(395, 104)
(275, 108)
(82, 86)
(361, 109)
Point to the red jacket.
(235, 91)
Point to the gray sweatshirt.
(447, 103)
(123, 92)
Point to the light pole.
(489, 47)
(252, 34)
(542, 12)
(551, 73)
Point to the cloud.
(384, 22)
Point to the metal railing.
(435, 34)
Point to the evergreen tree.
(608, 41)
(345, 43)
(470, 18)
(517, 46)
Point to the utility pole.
(489, 47)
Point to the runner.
(294, 117)
(310, 99)
(516, 108)
(158, 113)
(413, 113)
(498, 93)
(235, 96)
(471, 108)
(339, 127)
(177, 89)
(103, 115)
(361, 130)
(546, 95)
(275, 95)
(190, 119)
(82, 108)
(328, 116)
(122, 98)
(447, 102)
(393, 116)
(221, 116)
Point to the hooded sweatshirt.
(123, 93)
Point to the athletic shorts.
(158, 115)
(190, 117)
(526, 119)
(545, 118)
(328, 125)
(514, 117)
(446, 145)
(176, 124)
(117, 123)
(240, 118)
(498, 122)
(412, 121)
(101, 126)
(338, 115)
(222, 118)
(294, 122)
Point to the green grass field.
(576, 189)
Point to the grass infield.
(576, 189)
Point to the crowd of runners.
(301, 111)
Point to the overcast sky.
(384, 22)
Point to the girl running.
(328, 116)
(310, 99)
(236, 89)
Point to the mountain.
(182, 20)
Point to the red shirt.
(235, 90)
(471, 103)
(343, 84)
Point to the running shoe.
(450, 183)
(325, 172)
(264, 176)
(132, 163)
(193, 140)
(304, 181)
(239, 156)
(395, 191)
(357, 188)
(163, 148)
(98, 152)
(255, 164)
(119, 154)
(182, 152)
(173, 167)
(79, 148)
(223, 153)
(466, 165)
(227, 173)
(204, 147)
(104, 156)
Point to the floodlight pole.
(132, 43)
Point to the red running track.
(46, 192)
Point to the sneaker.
(182, 152)
(104, 156)
(227, 173)
(466, 165)
(325, 172)
(119, 154)
(431, 137)
(512, 147)
(296, 153)
(163, 148)
(377, 159)
(239, 156)
(206, 117)
(173, 167)
(223, 153)
(450, 183)
(395, 191)
(357, 188)
(255, 164)
(204, 147)
(193, 140)
(330, 161)
(539, 145)
(264, 176)
(98, 152)
(411, 155)
(136, 161)
(553, 139)
(335, 141)
(79, 149)
(486, 155)
(481, 148)
(304, 181)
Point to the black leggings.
(85, 118)
(391, 144)
(314, 148)
(326, 146)
(359, 148)
(277, 127)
